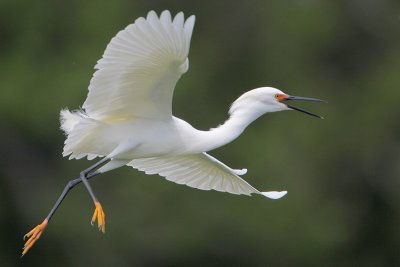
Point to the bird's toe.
(33, 236)
(99, 216)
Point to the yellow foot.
(34, 235)
(99, 215)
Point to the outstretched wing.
(200, 171)
(140, 67)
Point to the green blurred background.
(342, 173)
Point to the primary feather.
(140, 67)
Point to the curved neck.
(230, 130)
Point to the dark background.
(342, 173)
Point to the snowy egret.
(127, 119)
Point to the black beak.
(303, 99)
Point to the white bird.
(127, 118)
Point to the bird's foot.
(99, 215)
(33, 236)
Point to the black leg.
(98, 212)
(85, 173)
(71, 184)
(91, 172)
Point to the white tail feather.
(81, 134)
(70, 119)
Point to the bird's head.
(268, 99)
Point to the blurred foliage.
(342, 173)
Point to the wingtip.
(151, 13)
(240, 172)
(274, 194)
(166, 16)
(191, 19)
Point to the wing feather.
(140, 68)
(199, 171)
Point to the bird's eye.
(277, 96)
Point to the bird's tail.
(79, 129)
(70, 119)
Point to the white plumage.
(127, 117)
(140, 68)
(127, 114)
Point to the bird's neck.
(230, 129)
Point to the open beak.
(286, 98)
